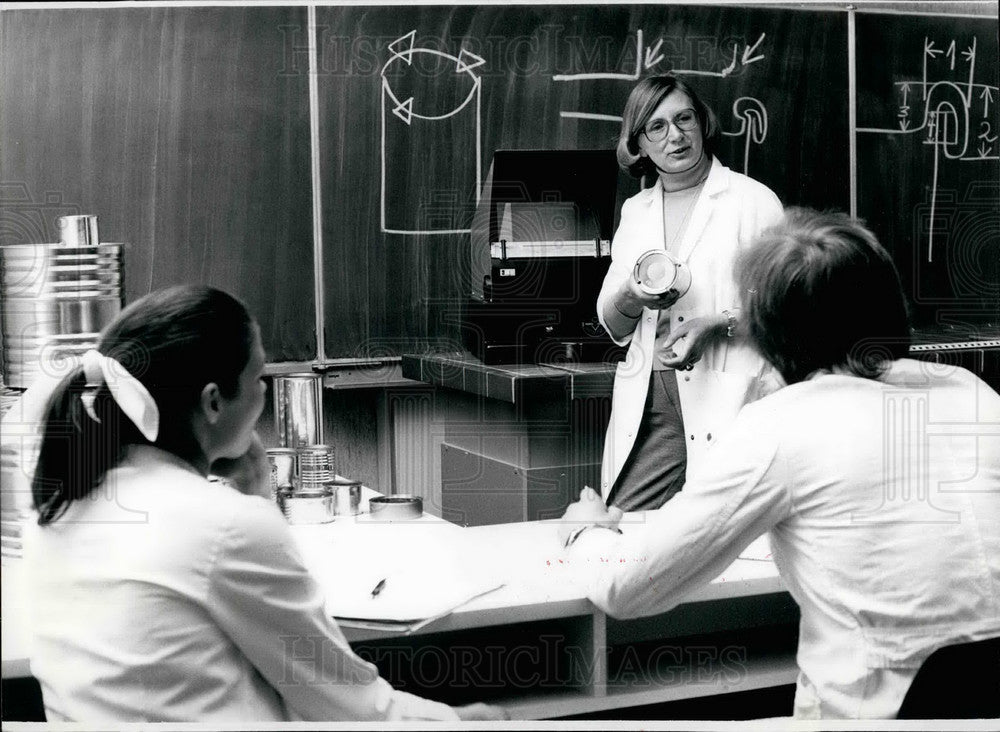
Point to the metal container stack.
(56, 299)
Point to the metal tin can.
(396, 508)
(56, 300)
(346, 496)
(298, 409)
(284, 468)
(311, 506)
(315, 465)
(78, 231)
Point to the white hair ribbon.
(132, 397)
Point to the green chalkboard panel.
(414, 100)
(929, 160)
(181, 129)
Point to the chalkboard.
(175, 127)
(929, 160)
(187, 130)
(414, 100)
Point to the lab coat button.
(649, 320)
(680, 318)
(709, 437)
(687, 378)
(692, 437)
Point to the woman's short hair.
(174, 341)
(819, 291)
(645, 97)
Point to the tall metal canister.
(298, 409)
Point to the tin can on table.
(306, 506)
(315, 465)
(284, 468)
(346, 495)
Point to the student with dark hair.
(821, 292)
(687, 372)
(156, 594)
(878, 478)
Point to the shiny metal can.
(316, 465)
(78, 231)
(298, 409)
(346, 496)
(312, 506)
(284, 463)
(396, 508)
(56, 300)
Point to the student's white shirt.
(166, 597)
(883, 503)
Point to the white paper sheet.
(428, 570)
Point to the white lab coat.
(165, 597)
(731, 210)
(882, 499)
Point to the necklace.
(671, 201)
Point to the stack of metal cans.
(56, 299)
(309, 499)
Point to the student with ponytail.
(188, 347)
(156, 594)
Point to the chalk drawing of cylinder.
(752, 116)
(430, 139)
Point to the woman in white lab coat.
(155, 594)
(687, 371)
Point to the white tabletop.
(538, 581)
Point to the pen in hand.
(378, 588)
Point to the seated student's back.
(877, 476)
(882, 531)
(154, 593)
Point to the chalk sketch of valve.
(430, 139)
(752, 116)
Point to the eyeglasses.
(684, 120)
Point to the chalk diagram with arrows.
(749, 112)
(952, 115)
(426, 116)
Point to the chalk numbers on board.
(947, 109)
